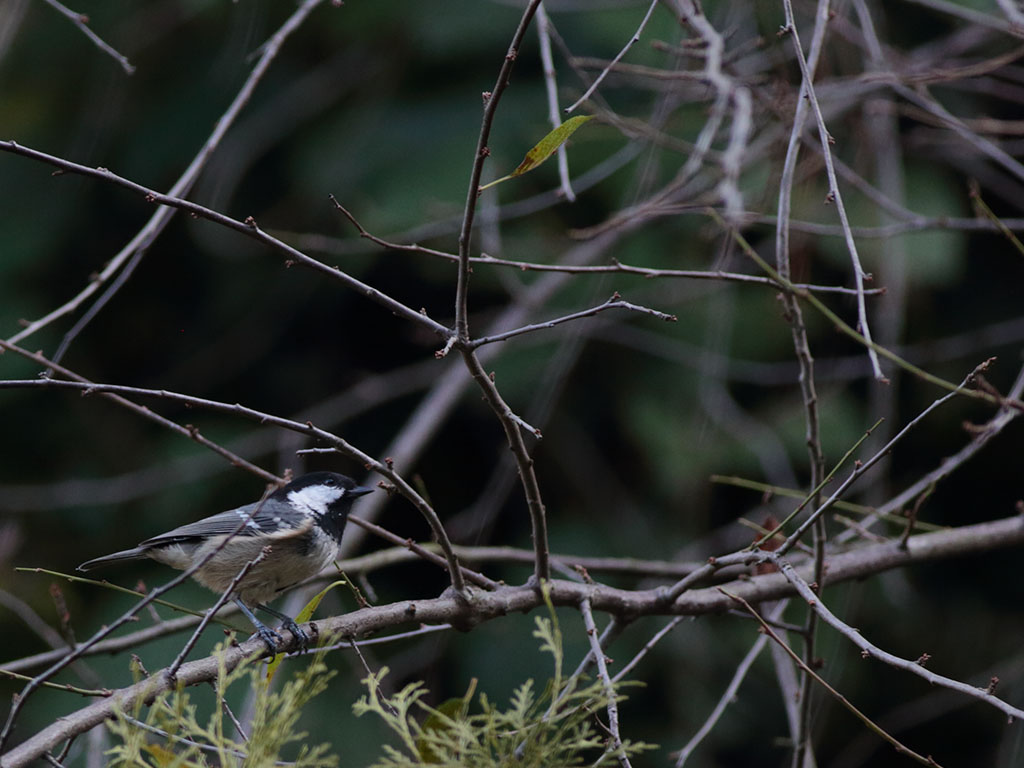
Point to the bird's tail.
(128, 554)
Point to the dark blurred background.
(379, 104)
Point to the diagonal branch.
(116, 392)
(248, 227)
(604, 73)
(84, 384)
(152, 229)
(811, 674)
(81, 21)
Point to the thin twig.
(512, 425)
(615, 302)
(509, 421)
(66, 687)
(172, 670)
(491, 99)
(152, 229)
(613, 268)
(980, 438)
(863, 467)
(611, 631)
(115, 392)
(729, 695)
(835, 196)
(81, 21)
(655, 639)
(215, 748)
(234, 720)
(87, 317)
(82, 383)
(551, 90)
(897, 745)
(111, 645)
(802, 348)
(869, 649)
(247, 227)
(609, 688)
(845, 328)
(422, 552)
(348, 642)
(632, 41)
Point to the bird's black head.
(327, 496)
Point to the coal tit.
(301, 522)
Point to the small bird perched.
(302, 524)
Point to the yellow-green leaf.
(544, 148)
(309, 608)
(303, 616)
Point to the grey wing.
(256, 520)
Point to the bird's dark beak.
(360, 490)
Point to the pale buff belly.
(291, 557)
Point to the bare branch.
(604, 73)
(212, 610)
(613, 303)
(81, 21)
(248, 228)
(615, 267)
(491, 99)
(159, 220)
(485, 606)
(835, 196)
(602, 672)
(551, 90)
(81, 383)
(810, 673)
(728, 696)
(114, 392)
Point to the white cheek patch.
(315, 499)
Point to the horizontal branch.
(633, 566)
(385, 558)
(485, 606)
(615, 267)
(650, 272)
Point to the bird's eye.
(330, 481)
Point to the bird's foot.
(300, 636)
(270, 638)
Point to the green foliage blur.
(379, 104)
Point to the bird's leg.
(267, 635)
(289, 623)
